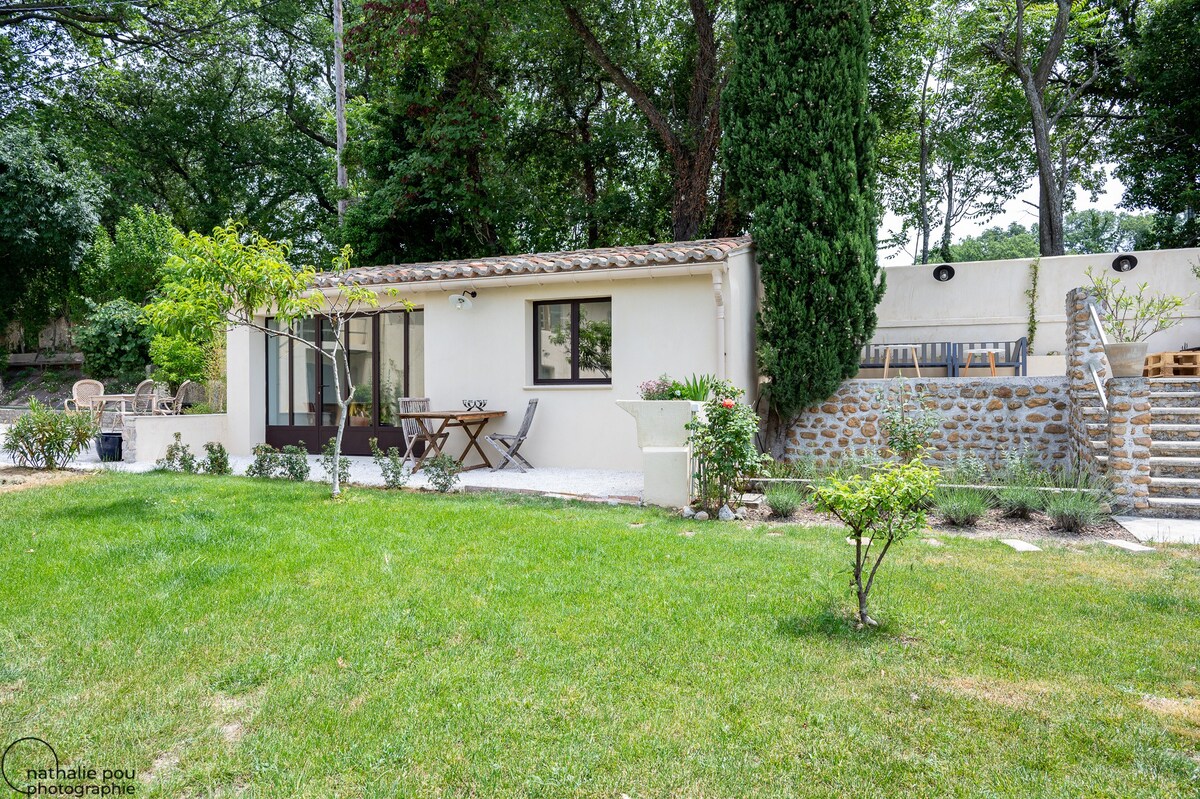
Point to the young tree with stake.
(212, 283)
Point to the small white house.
(575, 330)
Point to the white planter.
(1126, 358)
(663, 439)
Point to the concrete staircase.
(1175, 447)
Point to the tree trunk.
(339, 74)
(923, 174)
(949, 220)
(343, 398)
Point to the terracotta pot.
(1127, 358)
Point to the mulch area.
(994, 525)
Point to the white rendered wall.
(986, 300)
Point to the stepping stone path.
(1020, 546)
(866, 541)
(933, 542)
(1129, 545)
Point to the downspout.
(718, 279)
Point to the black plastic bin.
(108, 445)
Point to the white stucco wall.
(151, 435)
(664, 321)
(986, 300)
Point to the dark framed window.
(572, 342)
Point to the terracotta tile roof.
(645, 255)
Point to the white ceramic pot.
(1127, 358)
(660, 423)
(663, 439)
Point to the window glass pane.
(416, 353)
(391, 367)
(329, 405)
(554, 341)
(277, 364)
(360, 346)
(304, 376)
(595, 340)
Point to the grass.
(238, 636)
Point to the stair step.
(1173, 466)
(1175, 384)
(1174, 415)
(1179, 487)
(1178, 399)
(1186, 449)
(1175, 432)
(1175, 507)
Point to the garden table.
(888, 349)
(99, 404)
(990, 352)
(471, 422)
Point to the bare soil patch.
(18, 478)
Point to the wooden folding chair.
(416, 437)
(507, 445)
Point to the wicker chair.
(189, 393)
(82, 394)
(145, 398)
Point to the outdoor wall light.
(943, 273)
(1124, 263)
(461, 302)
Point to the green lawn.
(253, 638)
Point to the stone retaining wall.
(987, 417)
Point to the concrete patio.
(591, 484)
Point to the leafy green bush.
(1074, 511)
(177, 359)
(442, 472)
(722, 440)
(1020, 501)
(216, 459)
(783, 501)
(46, 439)
(330, 459)
(290, 463)
(961, 507)
(1020, 470)
(907, 422)
(969, 469)
(128, 265)
(293, 462)
(392, 464)
(114, 342)
(178, 458)
(885, 506)
(265, 463)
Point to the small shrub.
(697, 388)
(293, 463)
(216, 459)
(179, 458)
(906, 421)
(1021, 470)
(887, 505)
(392, 464)
(46, 439)
(1020, 501)
(1074, 511)
(660, 388)
(961, 507)
(803, 468)
(722, 441)
(266, 461)
(442, 472)
(330, 457)
(177, 359)
(783, 501)
(969, 469)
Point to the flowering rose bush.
(722, 440)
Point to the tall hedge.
(798, 146)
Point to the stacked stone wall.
(987, 417)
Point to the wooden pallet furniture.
(1173, 364)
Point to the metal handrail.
(1096, 323)
(1094, 316)
(1091, 365)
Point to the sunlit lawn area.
(227, 636)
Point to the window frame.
(535, 346)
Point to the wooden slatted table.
(471, 422)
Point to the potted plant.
(1130, 319)
(662, 414)
(360, 406)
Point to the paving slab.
(1129, 545)
(1020, 546)
(1161, 531)
(866, 541)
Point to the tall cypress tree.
(798, 145)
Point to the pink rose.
(727, 403)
